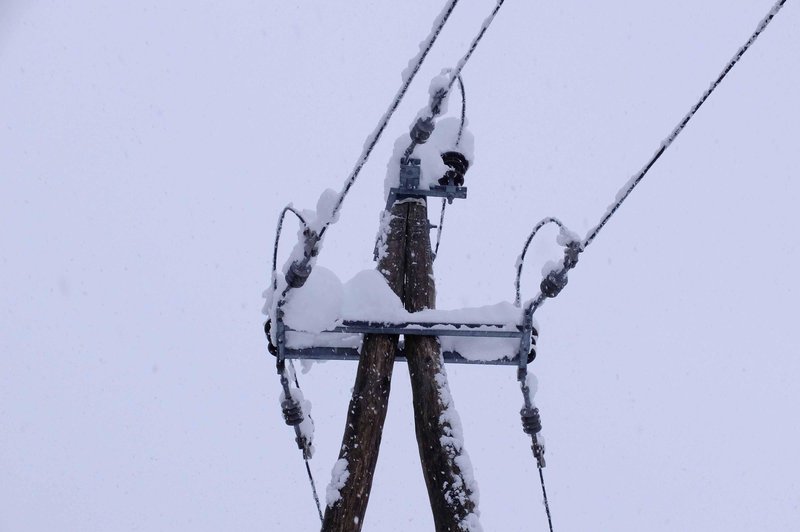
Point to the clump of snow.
(300, 340)
(471, 523)
(566, 237)
(444, 138)
(463, 484)
(315, 306)
(533, 385)
(383, 233)
(368, 295)
(325, 210)
(552, 266)
(324, 302)
(339, 476)
(316, 220)
(440, 85)
(503, 312)
(431, 165)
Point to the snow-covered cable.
(463, 110)
(475, 41)
(631, 184)
(408, 77)
(314, 490)
(458, 141)
(425, 121)
(532, 425)
(278, 230)
(306, 457)
(521, 258)
(439, 228)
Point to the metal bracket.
(524, 332)
(410, 172)
(450, 192)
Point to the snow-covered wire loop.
(278, 231)
(521, 259)
(461, 126)
(463, 110)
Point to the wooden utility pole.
(440, 443)
(407, 266)
(367, 411)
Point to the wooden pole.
(407, 265)
(451, 493)
(370, 398)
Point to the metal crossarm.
(526, 334)
(420, 328)
(351, 353)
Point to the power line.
(628, 188)
(373, 138)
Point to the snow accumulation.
(463, 486)
(339, 476)
(324, 302)
(316, 219)
(443, 139)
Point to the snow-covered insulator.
(531, 421)
(458, 165)
(422, 130)
(292, 412)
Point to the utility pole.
(408, 269)
(367, 411)
(440, 443)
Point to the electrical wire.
(458, 142)
(666, 143)
(373, 138)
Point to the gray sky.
(145, 152)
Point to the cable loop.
(521, 259)
(278, 231)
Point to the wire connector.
(300, 269)
(556, 280)
(422, 130)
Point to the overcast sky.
(146, 149)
